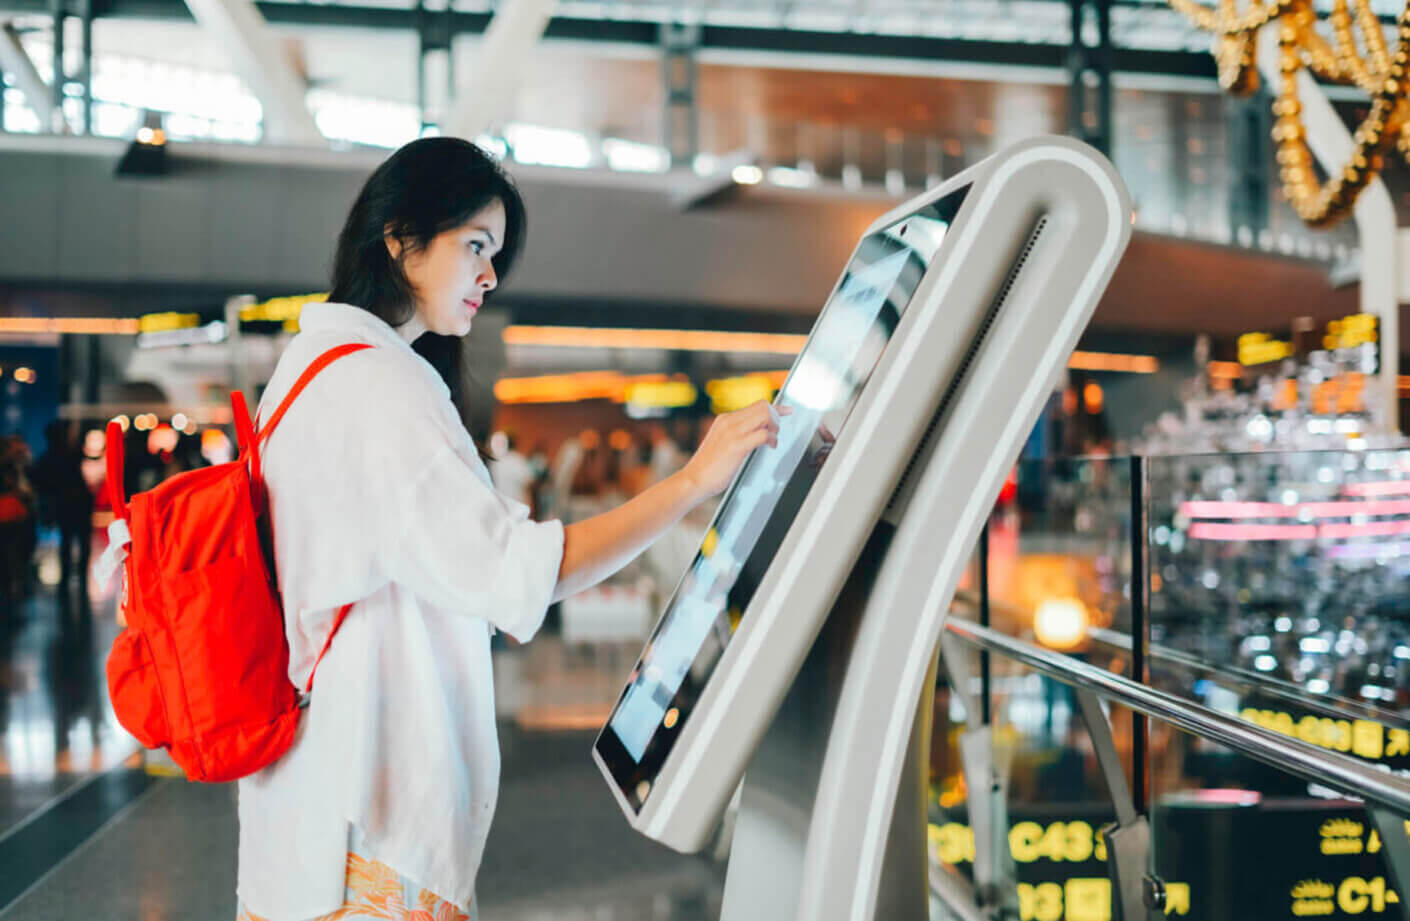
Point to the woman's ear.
(394, 244)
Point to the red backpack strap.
(116, 469)
(251, 439)
(312, 371)
(337, 622)
(245, 439)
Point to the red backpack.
(202, 669)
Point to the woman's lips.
(473, 305)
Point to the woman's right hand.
(731, 438)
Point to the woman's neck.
(412, 329)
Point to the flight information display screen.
(829, 375)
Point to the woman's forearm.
(601, 545)
(597, 547)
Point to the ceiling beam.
(16, 61)
(713, 37)
(496, 72)
(261, 61)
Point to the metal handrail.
(1341, 708)
(1273, 687)
(1330, 768)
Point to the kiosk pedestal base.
(767, 857)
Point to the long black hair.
(424, 189)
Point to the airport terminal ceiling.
(785, 91)
(778, 84)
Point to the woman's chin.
(460, 327)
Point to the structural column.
(85, 73)
(435, 76)
(1089, 66)
(1381, 275)
(58, 76)
(681, 122)
(1250, 143)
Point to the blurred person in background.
(561, 476)
(66, 502)
(666, 454)
(510, 470)
(538, 462)
(636, 466)
(18, 522)
(378, 497)
(142, 469)
(586, 492)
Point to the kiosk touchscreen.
(763, 502)
(913, 311)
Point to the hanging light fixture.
(1374, 69)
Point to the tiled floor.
(86, 833)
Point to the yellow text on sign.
(1349, 332)
(1362, 737)
(164, 322)
(1356, 895)
(1085, 899)
(1071, 842)
(1260, 348)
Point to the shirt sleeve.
(466, 547)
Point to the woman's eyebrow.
(485, 231)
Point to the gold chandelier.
(1366, 63)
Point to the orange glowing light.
(162, 438)
(36, 326)
(570, 388)
(1061, 623)
(1111, 361)
(1093, 398)
(675, 340)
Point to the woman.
(378, 496)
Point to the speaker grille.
(927, 440)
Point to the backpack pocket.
(135, 691)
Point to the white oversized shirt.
(378, 496)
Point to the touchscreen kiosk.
(762, 503)
(886, 360)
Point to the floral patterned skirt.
(376, 892)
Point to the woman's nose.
(488, 279)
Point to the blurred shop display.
(1273, 586)
(1314, 390)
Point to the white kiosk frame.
(826, 686)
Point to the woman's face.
(454, 272)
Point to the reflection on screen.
(825, 383)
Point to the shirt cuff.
(534, 555)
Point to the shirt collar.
(345, 320)
(322, 316)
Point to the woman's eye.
(477, 247)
